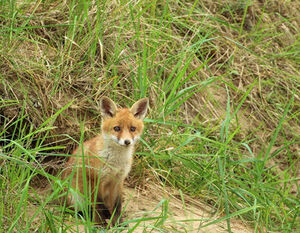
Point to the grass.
(223, 127)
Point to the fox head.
(124, 126)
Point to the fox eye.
(117, 128)
(132, 128)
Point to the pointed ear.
(139, 109)
(107, 107)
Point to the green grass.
(223, 124)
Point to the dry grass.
(50, 69)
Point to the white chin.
(118, 142)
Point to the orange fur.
(107, 159)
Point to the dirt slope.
(141, 202)
(147, 203)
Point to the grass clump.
(223, 81)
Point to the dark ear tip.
(105, 101)
(145, 99)
(103, 98)
(144, 102)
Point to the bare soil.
(187, 215)
(141, 202)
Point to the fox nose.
(127, 142)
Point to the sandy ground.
(149, 203)
(183, 213)
(182, 216)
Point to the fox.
(107, 160)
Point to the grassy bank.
(223, 82)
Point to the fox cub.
(100, 166)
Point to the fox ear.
(108, 107)
(139, 108)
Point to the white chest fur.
(117, 159)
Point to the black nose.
(127, 142)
